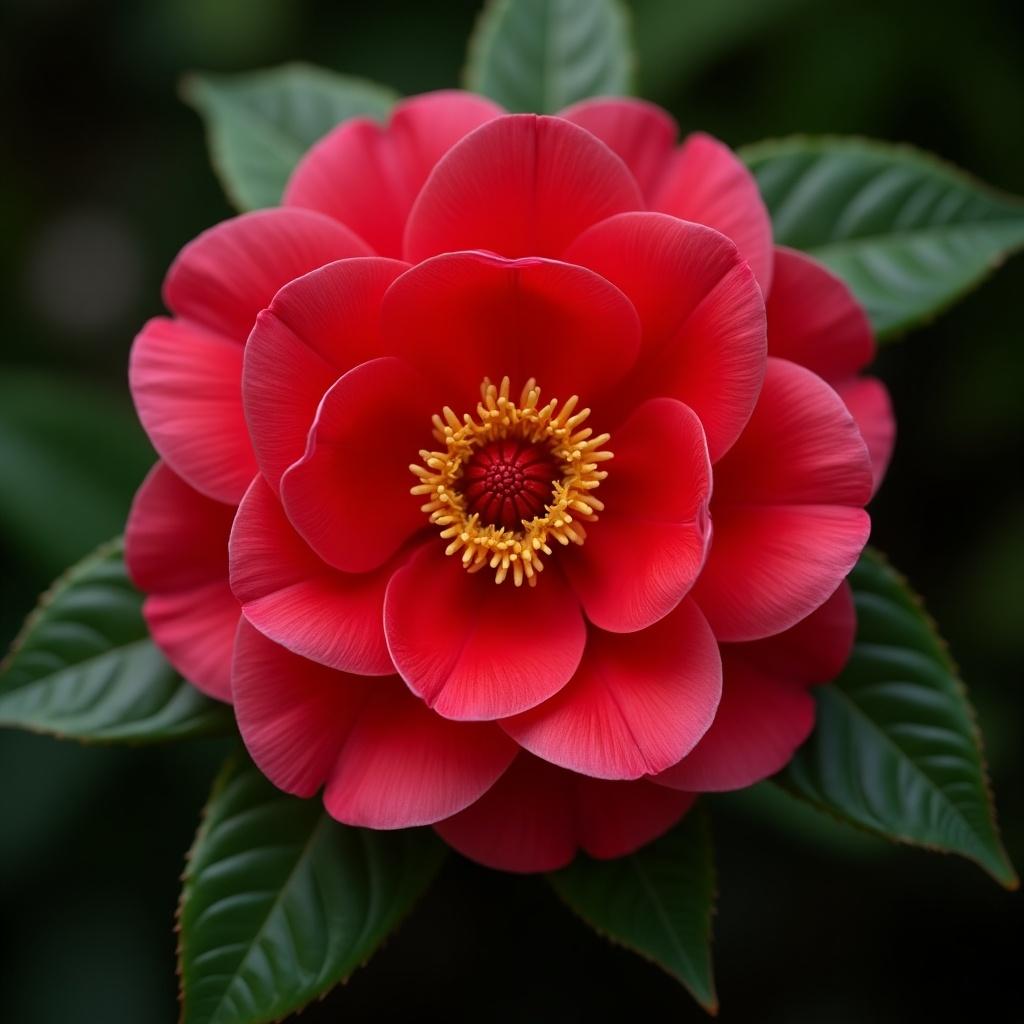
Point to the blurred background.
(106, 177)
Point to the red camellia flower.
(509, 476)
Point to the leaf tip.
(189, 84)
(1004, 873)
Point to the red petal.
(461, 317)
(520, 186)
(186, 385)
(700, 310)
(815, 650)
(645, 551)
(388, 761)
(772, 565)
(639, 702)
(349, 496)
(761, 721)
(316, 329)
(800, 447)
(476, 649)
(404, 765)
(522, 823)
(708, 184)
(368, 176)
(788, 522)
(176, 551)
(766, 712)
(639, 132)
(869, 404)
(294, 715)
(536, 816)
(229, 273)
(195, 629)
(616, 818)
(814, 320)
(287, 593)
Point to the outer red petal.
(814, 320)
(869, 404)
(195, 630)
(761, 721)
(701, 313)
(368, 176)
(294, 715)
(766, 712)
(475, 649)
(788, 518)
(317, 328)
(639, 132)
(616, 818)
(349, 496)
(404, 765)
(815, 650)
(185, 383)
(536, 816)
(522, 823)
(708, 184)
(176, 551)
(223, 278)
(388, 761)
(461, 317)
(646, 550)
(291, 596)
(185, 374)
(800, 447)
(638, 703)
(521, 186)
(772, 565)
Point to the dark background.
(105, 176)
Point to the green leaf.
(908, 233)
(896, 749)
(260, 124)
(657, 902)
(541, 55)
(281, 903)
(84, 667)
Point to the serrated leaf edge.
(1010, 880)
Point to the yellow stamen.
(575, 449)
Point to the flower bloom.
(510, 476)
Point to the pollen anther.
(555, 439)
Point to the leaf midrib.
(275, 904)
(890, 741)
(667, 924)
(84, 663)
(905, 237)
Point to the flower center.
(512, 478)
(507, 481)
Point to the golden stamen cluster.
(573, 448)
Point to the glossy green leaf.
(260, 124)
(541, 55)
(896, 749)
(908, 233)
(657, 902)
(84, 666)
(281, 902)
